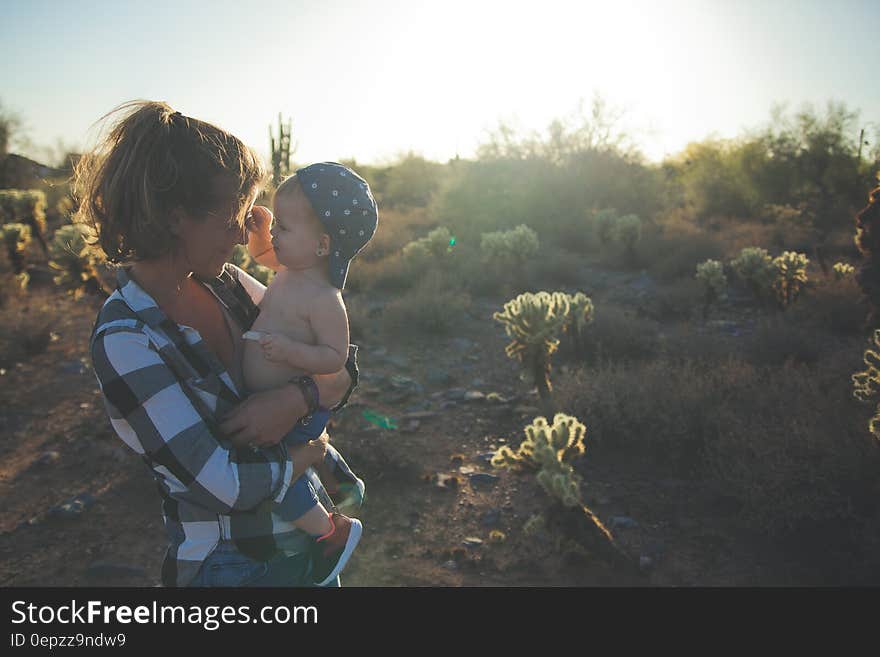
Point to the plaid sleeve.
(153, 415)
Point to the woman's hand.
(312, 453)
(264, 418)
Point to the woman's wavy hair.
(155, 160)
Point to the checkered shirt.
(164, 390)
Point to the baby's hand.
(276, 348)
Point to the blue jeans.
(226, 566)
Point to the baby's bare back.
(283, 310)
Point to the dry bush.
(431, 306)
(396, 229)
(675, 251)
(681, 299)
(792, 447)
(616, 334)
(392, 273)
(559, 269)
(831, 306)
(788, 446)
(780, 339)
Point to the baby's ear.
(325, 242)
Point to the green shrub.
(509, 248)
(604, 223)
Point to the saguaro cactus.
(534, 320)
(280, 151)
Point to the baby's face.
(296, 232)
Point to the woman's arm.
(264, 418)
(153, 415)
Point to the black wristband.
(310, 392)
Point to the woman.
(168, 197)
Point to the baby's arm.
(260, 239)
(330, 323)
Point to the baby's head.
(324, 210)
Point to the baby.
(324, 215)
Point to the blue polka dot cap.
(344, 204)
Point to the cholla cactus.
(791, 268)
(711, 274)
(16, 237)
(580, 313)
(434, 245)
(509, 248)
(755, 267)
(549, 450)
(534, 322)
(867, 383)
(26, 206)
(843, 270)
(75, 260)
(628, 230)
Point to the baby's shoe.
(332, 551)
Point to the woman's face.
(206, 243)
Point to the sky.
(375, 80)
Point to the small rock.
(482, 478)
(72, 367)
(47, 458)
(398, 361)
(486, 457)
(419, 415)
(645, 562)
(497, 398)
(477, 383)
(526, 410)
(450, 565)
(474, 395)
(438, 377)
(466, 469)
(456, 394)
(491, 518)
(625, 522)
(462, 344)
(472, 542)
(73, 507)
